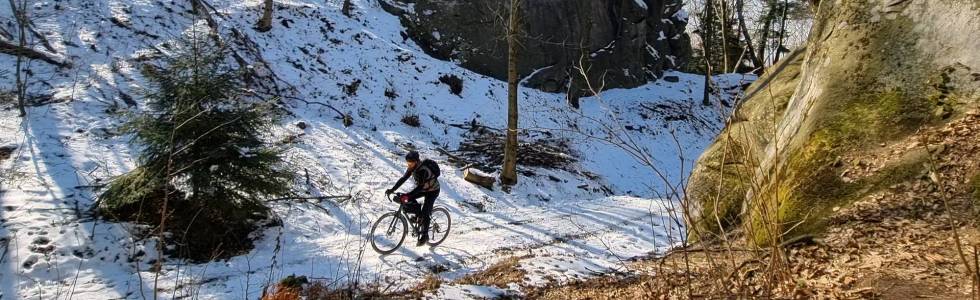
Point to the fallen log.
(476, 177)
(15, 50)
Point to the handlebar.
(393, 196)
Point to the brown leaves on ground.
(283, 293)
(894, 244)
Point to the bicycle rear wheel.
(439, 224)
(388, 233)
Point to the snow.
(466, 291)
(641, 3)
(570, 224)
(682, 15)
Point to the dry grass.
(500, 274)
(430, 283)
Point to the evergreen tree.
(202, 151)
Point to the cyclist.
(426, 175)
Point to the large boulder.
(875, 72)
(722, 176)
(625, 42)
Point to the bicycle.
(395, 225)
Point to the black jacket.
(425, 179)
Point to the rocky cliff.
(624, 42)
(836, 124)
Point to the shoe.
(422, 240)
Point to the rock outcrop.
(624, 42)
(723, 174)
(804, 144)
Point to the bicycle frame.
(401, 213)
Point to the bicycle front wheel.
(388, 233)
(439, 224)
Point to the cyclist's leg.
(430, 199)
(413, 206)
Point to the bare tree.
(706, 47)
(766, 28)
(508, 176)
(723, 20)
(757, 61)
(265, 23)
(20, 14)
(782, 31)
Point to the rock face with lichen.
(874, 72)
(626, 43)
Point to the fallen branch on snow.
(7, 47)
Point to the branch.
(310, 198)
(343, 116)
(7, 47)
(39, 36)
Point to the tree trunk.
(21, 17)
(508, 176)
(756, 61)
(767, 25)
(347, 8)
(478, 179)
(706, 45)
(8, 47)
(265, 23)
(723, 21)
(782, 31)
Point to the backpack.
(432, 166)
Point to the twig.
(937, 178)
(342, 115)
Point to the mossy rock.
(872, 76)
(722, 176)
(870, 84)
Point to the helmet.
(412, 156)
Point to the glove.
(403, 199)
(389, 191)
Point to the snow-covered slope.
(51, 247)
